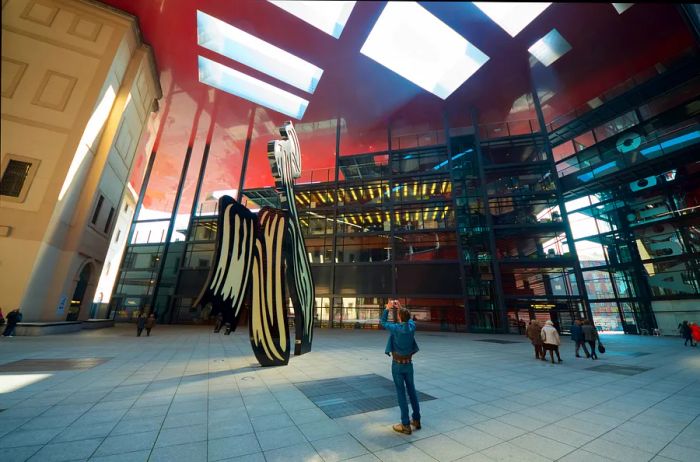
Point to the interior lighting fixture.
(435, 212)
(330, 197)
(410, 41)
(415, 189)
(371, 192)
(425, 186)
(236, 83)
(330, 17)
(550, 48)
(672, 142)
(354, 196)
(323, 199)
(238, 45)
(432, 188)
(622, 7)
(379, 190)
(443, 188)
(512, 17)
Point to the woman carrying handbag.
(590, 335)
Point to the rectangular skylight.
(550, 47)
(622, 7)
(512, 17)
(234, 82)
(330, 17)
(419, 47)
(240, 46)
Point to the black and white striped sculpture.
(285, 161)
(265, 254)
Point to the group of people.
(145, 322)
(546, 338)
(690, 331)
(11, 320)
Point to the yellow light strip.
(320, 195)
(371, 192)
(432, 188)
(425, 186)
(415, 189)
(354, 196)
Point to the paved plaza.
(187, 394)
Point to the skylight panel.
(550, 48)
(330, 17)
(622, 7)
(512, 17)
(231, 81)
(232, 42)
(419, 47)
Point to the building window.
(109, 219)
(17, 174)
(96, 213)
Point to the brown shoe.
(401, 428)
(416, 424)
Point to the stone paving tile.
(226, 448)
(198, 396)
(135, 456)
(72, 450)
(19, 454)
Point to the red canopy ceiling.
(607, 48)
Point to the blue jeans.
(403, 380)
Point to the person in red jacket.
(695, 332)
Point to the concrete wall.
(77, 89)
(670, 313)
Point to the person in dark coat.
(686, 334)
(13, 318)
(590, 335)
(140, 324)
(150, 322)
(577, 336)
(533, 333)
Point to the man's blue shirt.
(402, 339)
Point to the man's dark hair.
(404, 315)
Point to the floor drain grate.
(52, 364)
(344, 396)
(621, 370)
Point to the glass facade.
(476, 219)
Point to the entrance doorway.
(77, 300)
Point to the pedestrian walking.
(13, 318)
(219, 322)
(590, 335)
(402, 345)
(695, 333)
(686, 333)
(577, 337)
(150, 322)
(551, 339)
(140, 324)
(533, 332)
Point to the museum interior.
(483, 163)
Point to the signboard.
(60, 309)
